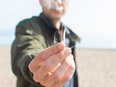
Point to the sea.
(7, 37)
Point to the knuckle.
(35, 78)
(69, 49)
(57, 47)
(60, 55)
(68, 77)
(41, 56)
(72, 67)
(68, 60)
(67, 63)
(56, 76)
(30, 67)
(64, 53)
(52, 50)
(46, 66)
(60, 46)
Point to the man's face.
(55, 9)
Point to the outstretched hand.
(53, 66)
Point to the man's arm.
(24, 48)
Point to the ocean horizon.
(7, 37)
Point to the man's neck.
(57, 23)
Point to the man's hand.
(54, 66)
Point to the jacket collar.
(48, 23)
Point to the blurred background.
(93, 20)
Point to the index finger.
(45, 54)
(51, 51)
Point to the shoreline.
(100, 49)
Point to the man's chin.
(57, 14)
(57, 17)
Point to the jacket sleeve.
(24, 48)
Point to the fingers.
(62, 74)
(52, 63)
(38, 60)
(67, 76)
(51, 51)
(55, 76)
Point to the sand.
(7, 78)
(96, 68)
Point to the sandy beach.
(96, 68)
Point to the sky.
(93, 20)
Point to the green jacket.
(31, 37)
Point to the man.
(36, 60)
